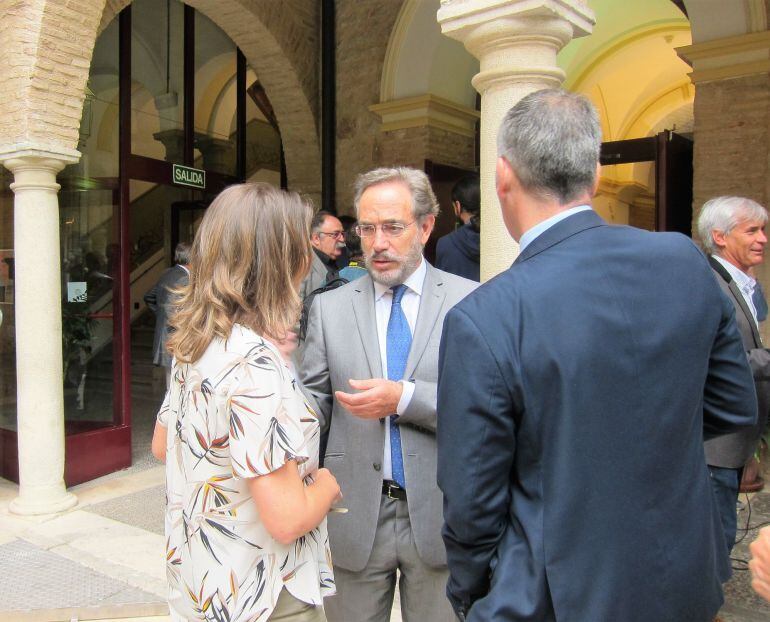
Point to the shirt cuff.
(406, 396)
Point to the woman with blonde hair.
(246, 502)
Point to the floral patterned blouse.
(235, 414)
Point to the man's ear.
(503, 178)
(598, 175)
(426, 227)
(719, 238)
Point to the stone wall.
(412, 146)
(363, 30)
(731, 139)
(731, 151)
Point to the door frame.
(671, 154)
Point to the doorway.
(647, 183)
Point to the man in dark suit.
(371, 365)
(732, 231)
(160, 301)
(574, 390)
(459, 252)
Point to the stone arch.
(47, 50)
(419, 59)
(279, 40)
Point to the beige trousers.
(290, 609)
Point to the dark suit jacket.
(160, 301)
(732, 450)
(574, 392)
(459, 253)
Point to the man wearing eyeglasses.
(370, 363)
(328, 240)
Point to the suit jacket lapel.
(746, 311)
(561, 231)
(363, 310)
(738, 295)
(431, 301)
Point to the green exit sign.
(188, 176)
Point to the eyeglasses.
(389, 229)
(338, 235)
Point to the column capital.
(516, 41)
(731, 57)
(23, 160)
(466, 20)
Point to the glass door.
(97, 432)
(161, 215)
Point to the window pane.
(7, 324)
(157, 77)
(98, 140)
(626, 195)
(215, 98)
(263, 141)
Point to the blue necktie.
(760, 304)
(397, 344)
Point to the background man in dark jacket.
(458, 252)
(160, 301)
(732, 231)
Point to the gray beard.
(397, 276)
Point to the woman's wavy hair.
(250, 253)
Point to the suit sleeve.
(729, 399)
(151, 299)
(314, 369)
(476, 446)
(421, 410)
(759, 360)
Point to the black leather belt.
(392, 490)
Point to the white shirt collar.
(742, 280)
(414, 282)
(541, 227)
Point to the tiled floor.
(43, 579)
(104, 559)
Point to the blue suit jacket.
(575, 390)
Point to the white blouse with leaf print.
(235, 414)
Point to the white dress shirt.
(410, 304)
(745, 283)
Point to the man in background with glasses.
(370, 363)
(328, 240)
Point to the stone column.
(516, 42)
(40, 400)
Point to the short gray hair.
(552, 140)
(319, 219)
(723, 214)
(423, 200)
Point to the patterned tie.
(760, 304)
(397, 344)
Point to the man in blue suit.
(575, 391)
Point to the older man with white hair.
(732, 231)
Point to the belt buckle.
(391, 488)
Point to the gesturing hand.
(377, 398)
